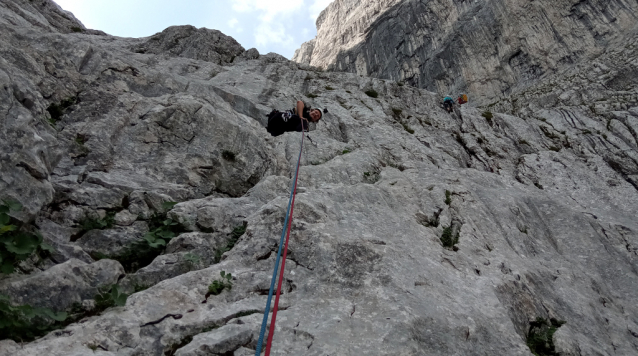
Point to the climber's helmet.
(316, 114)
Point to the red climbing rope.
(271, 330)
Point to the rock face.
(190, 42)
(487, 48)
(415, 231)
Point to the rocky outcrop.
(63, 285)
(415, 231)
(190, 42)
(487, 48)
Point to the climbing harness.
(284, 233)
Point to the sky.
(279, 26)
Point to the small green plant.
(90, 223)
(57, 110)
(372, 93)
(407, 128)
(346, 151)
(488, 115)
(77, 29)
(397, 112)
(140, 287)
(219, 285)
(234, 237)
(447, 238)
(112, 297)
(16, 243)
(312, 96)
(448, 197)
(329, 87)
(80, 140)
(400, 84)
(24, 322)
(192, 259)
(540, 336)
(228, 155)
(161, 230)
(371, 177)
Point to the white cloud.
(272, 15)
(268, 8)
(318, 6)
(266, 33)
(232, 23)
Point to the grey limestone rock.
(415, 231)
(486, 48)
(190, 42)
(62, 285)
(223, 340)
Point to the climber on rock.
(289, 120)
(448, 104)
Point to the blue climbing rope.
(281, 243)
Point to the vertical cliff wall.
(488, 48)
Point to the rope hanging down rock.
(284, 233)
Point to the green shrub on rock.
(16, 244)
(219, 285)
(24, 322)
(234, 236)
(161, 228)
(110, 298)
(540, 336)
(89, 223)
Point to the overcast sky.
(279, 26)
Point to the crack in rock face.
(145, 165)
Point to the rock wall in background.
(488, 48)
(415, 231)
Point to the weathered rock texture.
(543, 205)
(488, 48)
